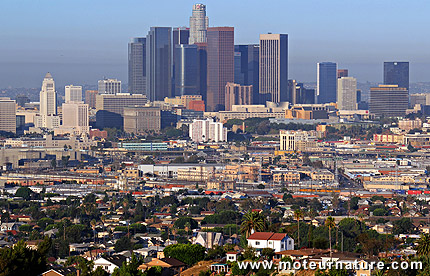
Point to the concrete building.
(137, 65)
(73, 93)
(47, 117)
(342, 73)
(236, 94)
(207, 130)
(420, 98)
(326, 82)
(297, 140)
(408, 124)
(273, 68)
(159, 63)
(199, 24)
(141, 119)
(251, 111)
(347, 93)
(116, 103)
(220, 65)
(90, 98)
(109, 86)
(298, 94)
(7, 115)
(388, 101)
(75, 118)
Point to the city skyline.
(77, 52)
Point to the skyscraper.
(220, 65)
(388, 100)
(236, 94)
(273, 68)
(137, 65)
(90, 98)
(185, 70)
(248, 67)
(199, 23)
(326, 82)
(298, 94)
(347, 93)
(342, 73)
(181, 35)
(159, 63)
(7, 115)
(202, 69)
(75, 117)
(48, 105)
(109, 86)
(73, 93)
(397, 73)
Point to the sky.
(81, 41)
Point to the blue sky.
(82, 41)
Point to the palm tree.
(93, 225)
(330, 223)
(252, 221)
(423, 248)
(298, 215)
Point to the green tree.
(123, 243)
(21, 260)
(186, 253)
(253, 221)
(330, 223)
(298, 215)
(130, 268)
(423, 248)
(180, 223)
(24, 192)
(403, 226)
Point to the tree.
(130, 268)
(24, 192)
(21, 260)
(403, 226)
(123, 243)
(186, 253)
(423, 248)
(298, 215)
(253, 221)
(330, 223)
(180, 223)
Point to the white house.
(109, 263)
(209, 239)
(277, 241)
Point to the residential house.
(64, 271)
(209, 239)
(109, 263)
(277, 241)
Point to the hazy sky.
(81, 41)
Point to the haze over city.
(82, 41)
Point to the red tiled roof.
(260, 236)
(277, 236)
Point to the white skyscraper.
(199, 23)
(47, 117)
(347, 93)
(75, 117)
(109, 86)
(73, 93)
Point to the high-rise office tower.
(347, 93)
(21, 100)
(186, 70)
(109, 86)
(388, 100)
(326, 82)
(248, 67)
(236, 94)
(342, 73)
(73, 93)
(159, 63)
(181, 36)
(137, 65)
(48, 105)
(202, 69)
(199, 24)
(273, 68)
(75, 117)
(7, 115)
(90, 98)
(220, 65)
(298, 94)
(397, 73)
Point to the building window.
(257, 243)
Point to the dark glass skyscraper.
(159, 63)
(220, 65)
(181, 35)
(186, 70)
(137, 65)
(326, 82)
(202, 69)
(397, 73)
(246, 72)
